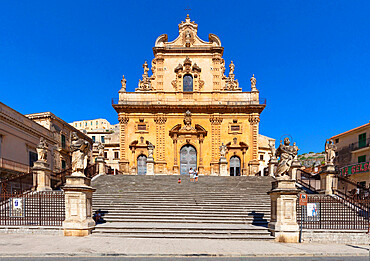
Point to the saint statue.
(123, 83)
(232, 68)
(253, 82)
(146, 69)
(101, 149)
(42, 150)
(187, 118)
(79, 149)
(272, 149)
(286, 153)
(223, 150)
(150, 150)
(330, 149)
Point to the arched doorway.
(234, 166)
(141, 165)
(188, 159)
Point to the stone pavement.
(51, 245)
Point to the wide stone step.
(184, 220)
(189, 212)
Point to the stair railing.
(308, 180)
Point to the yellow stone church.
(186, 108)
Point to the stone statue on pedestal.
(287, 153)
(42, 150)
(330, 149)
(123, 83)
(223, 150)
(150, 150)
(79, 148)
(101, 149)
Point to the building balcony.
(365, 144)
(14, 166)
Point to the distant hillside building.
(353, 153)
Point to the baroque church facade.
(182, 113)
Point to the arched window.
(188, 83)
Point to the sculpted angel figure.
(330, 149)
(150, 150)
(286, 154)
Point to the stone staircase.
(159, 207)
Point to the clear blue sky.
(311, 58)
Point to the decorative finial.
(187, 19)
(253, 83)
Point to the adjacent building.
(20, 134)
(353, 153)
(187, 107)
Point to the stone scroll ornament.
(330, 149)
(79, 149)
(42, 149)
(287, 153)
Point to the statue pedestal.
(272, 166)
(150, 166)
(42, 174)
(176, 170)
(124, 167)
(101, 165)
(283, 224)
(78, 204)
(293, 169)
(215, 168)
(253, 167)
(223, 167)
(328, 181)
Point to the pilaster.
(123, 163)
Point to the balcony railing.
(359, 145)
(207, 101)
(15, 166)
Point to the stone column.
(272, 166)
(328, 180)
(101, 165)
(283, 224)
(223, 167)
(293, 169)
(175, 164)
(150, 166)
(42, 174)
(123, 163)
(201, 167)
(254, 163)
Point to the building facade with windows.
(353, 153)
(186, 108)
(62, 133)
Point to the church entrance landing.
(188, 159)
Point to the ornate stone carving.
(215, 120)
(330, 149)
(123, 119)
(187, 67)
(254, 119)
(231, 83)
(123, 84)
(79, 149)
(42, 150)
(253, 83)
(145, 83)
(287, 153)
(160, 119)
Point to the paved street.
(28, 245)
(354, 258)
